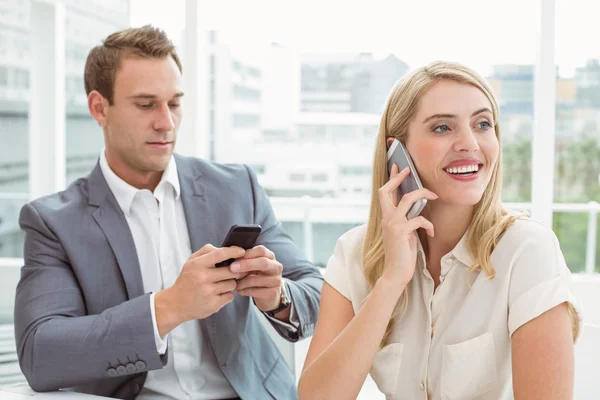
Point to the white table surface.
(23, 392)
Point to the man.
(119, 295)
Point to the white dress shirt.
(454, 342)
(158, 226)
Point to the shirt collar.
(125, 193)
(460, 252)
(169, 177)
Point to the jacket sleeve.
(58, 344)
(304, 280)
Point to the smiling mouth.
(465, 170)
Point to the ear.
(98, 107)
(388, 141)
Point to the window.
(246, 120)
(319, 178)
(297, 177)
(3, 76)
(212, 65)
(84, 143)
(3, 45)
(211, 133)
(324, 239)
(11, 236)
(277, 135)
(246, 93)
(212, 93)
(343, 132)
(259, 169)
(312, 132)
(20, 78)
(84, 139)
(577, 156)
(355, 170)
(348, 71)
(14, 178)
(253, 72)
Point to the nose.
(163, 120)
(466, 141)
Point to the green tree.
(571, 230)
(577, 171)
(577, 166)
(517, 170)
(590, 168)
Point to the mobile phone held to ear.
(398, 155)
(243, 236)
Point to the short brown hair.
(103, 61)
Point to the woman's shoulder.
(349, 247)
(527, 232)
(531, 247)
(344, 269)
(354, 237)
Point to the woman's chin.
(467, 198)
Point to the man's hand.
(263, 280)
(200, 289)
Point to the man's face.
(142, 123)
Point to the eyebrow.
(151, 96)
(485, 109)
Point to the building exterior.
(348, 82)
(86, 23)
(251, 91)
(588, 84)
(324, 155)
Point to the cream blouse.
(454, 342)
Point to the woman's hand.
(399, 233)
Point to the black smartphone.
(397, 154)
(243, 236)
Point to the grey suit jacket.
(82, 319)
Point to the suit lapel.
(111, 220)
(201, 223)
(198, 217)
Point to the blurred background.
(295, 90)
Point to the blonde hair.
(490, 219)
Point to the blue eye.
(442, 128)
(484, 125)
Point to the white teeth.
(463, 170)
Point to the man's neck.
(138, 179)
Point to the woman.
(466, 300)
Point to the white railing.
(309, 210)
(11, 262)
(14, 196)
